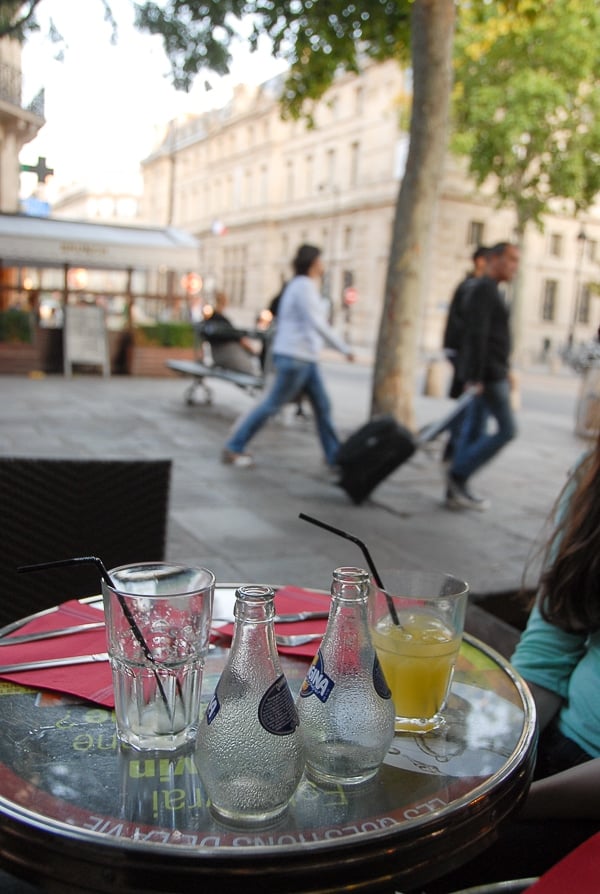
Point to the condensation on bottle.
(250, 754)
(345, 705)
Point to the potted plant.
(18, 352)
(153, 345)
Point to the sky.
(106, 106)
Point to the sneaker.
(458, 496)
(240, 460)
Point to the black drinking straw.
(367, 555)
(94, 560)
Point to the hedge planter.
(150, 360)
(18, 358)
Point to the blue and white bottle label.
(277, 712)
(379, 681)
(316, 681)
(214, 706)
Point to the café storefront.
(137, 275)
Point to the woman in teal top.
(559, 655)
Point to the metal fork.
(298, 639)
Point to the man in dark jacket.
(453, 342)
(484, 368)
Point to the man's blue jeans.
(476, 424)
(292, 377)
(471, 455)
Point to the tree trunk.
(432, 34)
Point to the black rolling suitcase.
(371, 454)
(377, 448)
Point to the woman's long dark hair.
(569, 594)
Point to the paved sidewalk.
(244, 524)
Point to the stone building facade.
(252, 187)
(18, 125)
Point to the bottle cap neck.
(350, 584)
(254, 602)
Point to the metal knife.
(300, 616)
(49, 634)
(53, 662)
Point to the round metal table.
(78, 813)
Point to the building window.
(583, 310)
(549, 297)
(330, 166)
(354, 154)
(289, 181)
(348, 239)
(310, 170)
(475, 233)
(359, 100)
(592, 249)
(249, 180)
(555, 246)
(264, 185)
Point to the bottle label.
(379, 681)
(214, 706)
(316, 681)
(277, 712)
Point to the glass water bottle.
(345, 705)
(250, 755)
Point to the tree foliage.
(527, 103)
(315, 37)
(16, 18)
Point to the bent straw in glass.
(94, 560)
(367, 555)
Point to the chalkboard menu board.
(85, 338)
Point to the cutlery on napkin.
(310, 610)
(48, 634)
(46, 663)
(91, 680)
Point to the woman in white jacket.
(301, 330)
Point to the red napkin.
(92, 682)
(579, 871)
(289, 600)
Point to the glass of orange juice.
(417, 621)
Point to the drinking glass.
(418, 653)
(158, 625)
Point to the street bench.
(199, 372)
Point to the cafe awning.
(49, 242)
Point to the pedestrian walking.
(453, 344)
(301, 330)
(484, 368)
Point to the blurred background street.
(244, 525)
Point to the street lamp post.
(581, 239)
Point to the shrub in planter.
(15, 326)
(167, 335)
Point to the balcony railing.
(11, 82)
(37, 104)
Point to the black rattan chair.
(60, 508)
